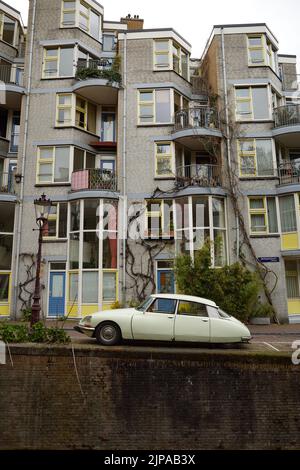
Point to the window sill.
(164, 178)
(8, 44)
(58, 78)
(78, 129)
(266, 235)
(266, 66)
(54, 240)
(168, 124)
(82, 30)
(258, 178)
(251, 121)
(171, 70)
(51, 185)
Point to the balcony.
(289, 173)
(94, 179)
(7, 183)
(98, 80)
(14, 82)
(204, 176)
(287, 125)
(193, 123)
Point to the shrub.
(39, 333)
(14, 333)
(234, 288)
(263, 311)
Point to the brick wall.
(147, 400)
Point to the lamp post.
(42, 210)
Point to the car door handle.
(205, 321)
(171, 318)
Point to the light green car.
(166, 317)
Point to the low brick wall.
(148, 400)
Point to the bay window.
(72, 110)
(256, 157)
(7, 28)
(159, 219)
(80, 14)
(53, 165)
(58, 62)
(263, 215)
(252, 104)
(261, 51)
(169, 55)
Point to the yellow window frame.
(256, 48)
(146, 103)
(259, 211)
(239, 116)
(161, 52)
(164, 156)
(251, 154)
(51, 59)
(45, 161)
(178, 56)
(7, 273)
(64, 107)
(67, 10)
(84, 111)
(1, 24)
(86, 16)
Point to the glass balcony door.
(108, 126)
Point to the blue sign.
(269, 260)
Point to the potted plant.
(262, 315)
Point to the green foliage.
(116, 306)
(26, 314)
(234, 288)
(263, 311)
(39, 333)
(112, 75)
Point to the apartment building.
(135, 143)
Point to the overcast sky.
(194, 19)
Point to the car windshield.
(145, 304)
(223, 314)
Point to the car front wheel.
(108, 334)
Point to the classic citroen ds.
(166, 317)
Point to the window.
(261, 51)
(7, 29)
(109, 286)
(288, 214)
(169, 55)
(155, 106)
(108, 125)
(7, 219)
(263, 215)
(192, 309)
(3, 122)
(85, 112)
(83, 160)
(53, 165)
(252, 103)
(109, 42)
(84, 17)
(57, 221)
(58, 62)
(90, 283)
(256, 157)
(167, 306)
(292, 279)
(159, 216)
(164, 161)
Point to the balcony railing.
(289, 173)
(9, 74)
(288, 115)
(94, 179)
(101, 68)
(7, 183)
(199, 175)
(194, 118)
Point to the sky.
(194, 19)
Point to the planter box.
(260, 321)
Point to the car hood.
(238, 322)
(119, 311)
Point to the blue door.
(57, 294)
(165, 285)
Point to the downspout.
(23, 160)
(124, 174)
(228, 133)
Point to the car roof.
(187, 298)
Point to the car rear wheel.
(108, 334)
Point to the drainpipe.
(228, 133)
(23, 160)
(124, 162)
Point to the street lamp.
(42, 210)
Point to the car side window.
(192, 309)
(167, 306)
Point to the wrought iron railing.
(288, 115)
(97, 64)
(194, 118)
(7, 183)
(290, 81)
(94, 179)
(289, 173)
(199, 175)
(9, 74)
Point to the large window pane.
(4, 287)
(182, 213)
(163, 111)
(109, 287)
(75, 216)
(218, 213)
(260, 103)
(200, 237)
(94, 25)
(272, 215)
(91, 214)
(73, 288)
(78, 159)
(8, 29)
(110, 252)
(7, 217)
(6, 246)
(62, 162)
(63, 219)
(90, 250)
(110, 216)
(264, 155)
(288, 214)
(220, 247)
(200, 212)
(91, 118)
(74, 251)
(66, 62)
(90, 283)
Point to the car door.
(192, 322)
(157, 322)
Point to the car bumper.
(88, 331)
(246, 339)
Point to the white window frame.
(56, 218)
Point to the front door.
(57, 294)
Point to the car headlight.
(87, 321)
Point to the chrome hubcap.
(108, 333)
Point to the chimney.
(133, 22)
